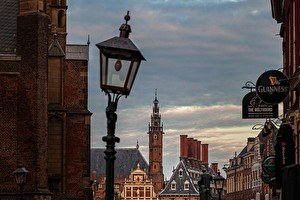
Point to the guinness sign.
(272, 87)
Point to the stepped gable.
(126, 160)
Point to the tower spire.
(156, 146)
(155, 102)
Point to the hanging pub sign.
(266, 177)
(272, 87)
(268, 165)
(254, 107)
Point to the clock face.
(155, 136)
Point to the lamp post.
(20, 178)
(119, 63)
(219, 183)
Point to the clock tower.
(155, 147)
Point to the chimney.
(94, 175)
(190, 147)
(250, 143)
(195, 149)
(214, 166)
(199, 150)
(205, 153)
(183, 146)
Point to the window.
(186, 185)
(60, 19)
(180, 172)
(173, 185)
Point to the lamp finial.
(125, 29)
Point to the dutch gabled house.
(45, 121)
(127, 159)
(183, 183)
(138, 185)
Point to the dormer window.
(173, 185)
(186, 185)
(180, 172)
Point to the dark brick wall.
(24, 116)
(23, 91)
(77, 128)
(76, 84)
(32, 46)
(77, 155)
(8, 127)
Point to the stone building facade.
(138, 185)
(45, 121)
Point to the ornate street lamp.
(119, 63)
(20, 178)
(219, 183)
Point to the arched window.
(60, 17)
(180, 172)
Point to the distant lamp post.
(119, 63)
(219, 184)
(20, 177)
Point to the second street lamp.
(20, 177)
(119, 63)
(219, 184)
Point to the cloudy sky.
(199, 55)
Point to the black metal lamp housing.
(219, 182)
(20, 175)
(119, 62)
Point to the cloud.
(199, 55)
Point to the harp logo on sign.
(272, 87)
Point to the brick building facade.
(287, 14)
(244, 173)
(45, 122)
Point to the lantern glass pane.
(219, 184)
(20, 178)
(133, 72)
(103, 70)
(117, 72)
